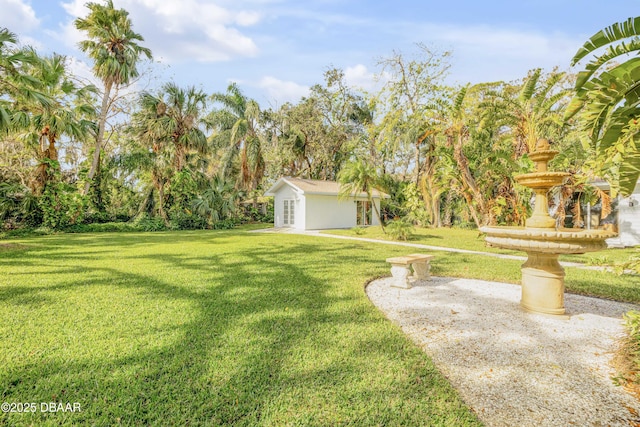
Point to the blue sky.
(277, 49)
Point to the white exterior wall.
(324, 212)
(300, 213)
(629, 219)
(286, 192)
(329, 212)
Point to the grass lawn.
(224, 327)
(208, 328)
(474, 240)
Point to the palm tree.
(113, 47)
(14, 81)
(360, 177)
(534, 111)
(608, 97)
(237, 130)
(218, 202)
(151, 164)
(8, 63)
(173, 119)
(166, 128)
(61, 109)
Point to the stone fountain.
(542, 274)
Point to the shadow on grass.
(272, 336)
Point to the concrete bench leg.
(421, 270)
(400, 274)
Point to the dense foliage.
(74, 154)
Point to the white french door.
(288, 213)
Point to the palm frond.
(610, 34)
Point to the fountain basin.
(541, 180)
(560, 241)
(542, 274)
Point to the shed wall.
(629, 219)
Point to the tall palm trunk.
(448, 208)
(49, 156)
(161, 212)
(102, 120)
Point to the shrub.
(359, 230)
(400, 229)
(96, 217)
(105, 227)
(627, 359)
(186, 221)
(632, 265)
(61, 206)
(146, 223)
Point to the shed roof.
(313, 186)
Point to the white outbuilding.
(306, 204)
(626, 219)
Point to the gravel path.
(512, 367)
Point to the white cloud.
(360, 77)
(18, 16)
(282, 91)
(483, 53)
(82, 71)
(178, 31)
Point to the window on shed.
(363, 214)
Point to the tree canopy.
(179, 157)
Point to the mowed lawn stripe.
(209, 328)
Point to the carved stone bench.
(401, 269)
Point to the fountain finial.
(543, 145)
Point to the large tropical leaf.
(609, 105)
(529, 86)
(616, 32)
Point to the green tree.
(113, 46)
(607, 97)
(237, 131)
(318, 135)
(360, 177)
(62, 109)
(411, 105)
(458, 132)
(10, 60)
(167, 131)
(479, 164)
(219, 201)
(531, 110)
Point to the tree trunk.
(430, 194)
(375, 209)
(448, 209)
(416, 156)
(468, 182)
(43, 174)
(437, 220)
(102, 120)
(472, 209)
(161, 211)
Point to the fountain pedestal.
(543, 284)
(542, 274)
